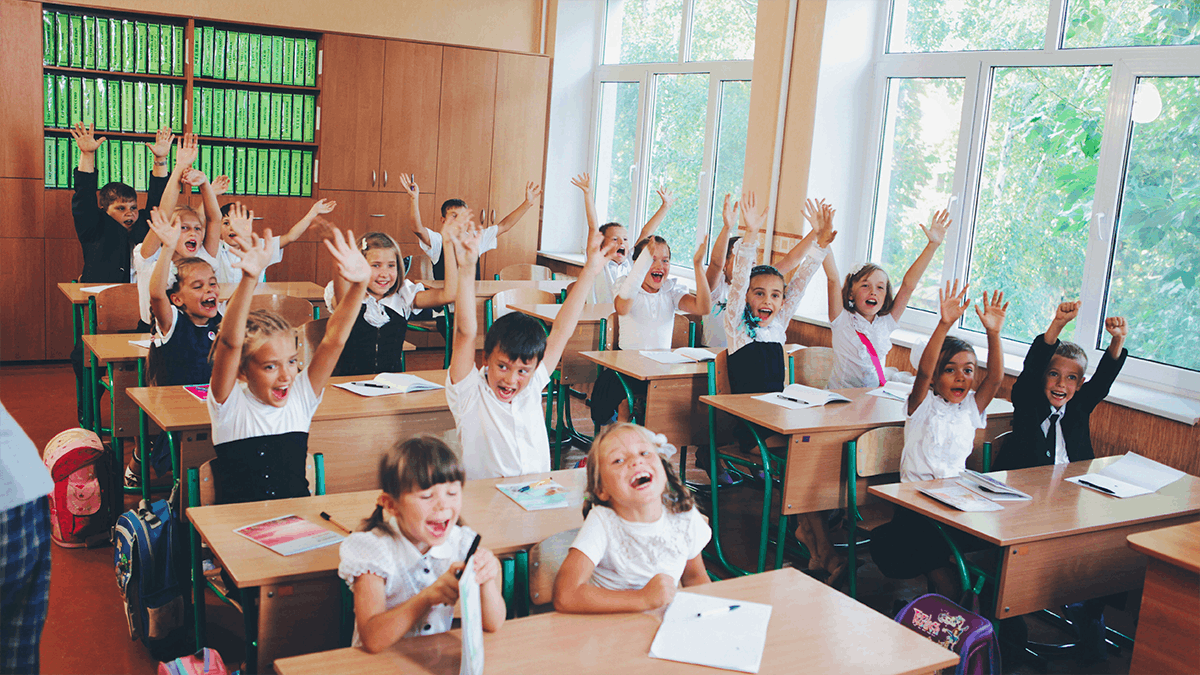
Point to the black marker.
(1097, 487)
(470, 552)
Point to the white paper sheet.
(1130, 476)
(780, 400)
(367, 388)
(472, 622)
(96, 289)
(142, 343)
(894, 390)
(406, 383)
(733, 640)
(960, 498)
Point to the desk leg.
(198, 581)
(249, 598)
(77, 327)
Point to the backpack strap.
(874, 357)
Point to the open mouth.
(765, 313)
(641, 478)
(657, 276)
(209, 303)
(437, 528)
(621, 251)
(505, 393)
(958, 392)
(191, 246)
(871, 302)
(280, 393)
(1058, 396)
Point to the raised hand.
(598, 249)
(166, 228)
(255, 254)
(467, 246)
(321, 207)
(85, 138)
(752, 217)
(460, 221)
(221, 184)
(698, 256)
(1066, 313)
(936, 232)
(729, 213)
(991, 312)
(667, 197)
(409, 182)
(186, 151)
(193, 176)
(954, 303)
(584, 182)
(532, 191)
(1116, 326)
(351, 264)
(161, 147)
(819, 214)
(487, 567)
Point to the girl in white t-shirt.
(939, 434)
(863, 311)
(404, 565)
(642, 534)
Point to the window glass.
(731, 148)
(1156, 260)
(617, 156)
(642, 31)
(1120, 23)
(723, 30)
(677, 157)
(967, 25)
(1041, 154)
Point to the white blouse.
(736, 330)
(938, 438)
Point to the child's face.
(228, 232)
(764, 297)
(425, 516)
(508, 376)
(197, 294)
(1063, 377)
(452, 212)
(191, 234)
(631, 472)
(954, 382)
(619, 236)
(384, 271)
(125, 213)
(869, 293)
(272, 369)
(659, 268)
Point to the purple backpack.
(963, 632)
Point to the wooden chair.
(310, 335)
(418, 266)
(683, 334)
(115, 310)
(875, 453)
(498, 305)
(525, 272)
(545, 558)
(812, 366)
(297, 311)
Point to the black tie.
(1052, 437)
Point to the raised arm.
(568, 315)
(227, 352)
(821, 237)
(167, 230)
(954, 303)
(466, 248)
(440, 297)
(212, 209)
(1065, 314)
(584, 182)
(352, 267)
(319, 208)
(936, 233)
(699, 303)
(1118, 329)
(623, 296)
(532, 191)
(83, 201)
(185, 154)
(991, 315)
(651, 225)
(720, 248)
(822, 219)
(833, 281)
(574, 592)
(409, 181)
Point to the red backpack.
(81, 505)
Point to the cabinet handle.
(377, 215)
(385, 178)
(492, 216)
(372, 177)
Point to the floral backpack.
(963, 632)
(82, 504)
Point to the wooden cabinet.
(412, 77)
(20, 91)
(351, 113)
(467, 113)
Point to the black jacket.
(1025, 446)
(107, 245)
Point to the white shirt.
(852, 365)
(735, 324)
(651, 318)
(604, 289)
(487, 241)
(143, 270)
(405, 570)
(400, 302)
(500, 439)
(23, 476)
(228, 274)
(712, 326)
(1060, 443)
(242, 415)
(938, 438)
(627, 555)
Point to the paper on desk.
(898, 391)
(142, 343)
(1130, 476)
(798, 397)
(367, 388)
(733, 640)
(779, 400)
(681, 355)
(960, 498)
(96, 289)
(472, 623)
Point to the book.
(298, 62)
(200, 391)
(205, 62)
(153, 49)
(680, 355)
(152, 106)
(141, 37)
(253, 55)
(960, 498)
(75, 40)
(798, 397)
(289, 535)
(285, 172)
(228, 166)
(114, 160)
(266, 54)
(897, 391)
(231, 55)
(206, 159)
(49, 111)
(306, 174)
(127, 105)
(164, 106)
(264, 114)
(251, 184)
(89, 42)
(215, 161)
(62, 44)
(75, 91)
(115, 56)
(264, 170)
(62, 101)
(89, 101)
(128, 53)
(48, 45)
(114, 104)
(165, 50)
(102, 44)
(243, 57)
(240, 117)
(218, 113)
(406, 383)
(711, 631)
(205, 112)
(297, 121)
(310, 62)
(276, 59)
(273, 172)
(101, 105)
(537, 495)
(288, 71)
(251, 114)
(50, 152)
(73, 151)
(62, 161)
(177, 110)
(285, 117)
(239, 179)
(276, 116)
(218, 55)
(141, 166)
(177, 47)
(230, 111)
(1130, 476)
(139, 107)
(294, 173)
(102, 163)
(310, 112)
(989, 487)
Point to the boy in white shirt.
(498, 409)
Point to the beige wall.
(496, 24)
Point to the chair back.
(562, 297)
(501, 301)
(117, 309)
(545, 558)
(418, 266)
(525, 272)
(813, 366)
(684, 332)
(990, 450)
(315, 476)
(297, 311)
(309, 336)
(879, 451)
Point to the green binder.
(298, 62)
(75, 91)
(152, 107)
(127, 51)
(285, 172)
(101, 104)
(206, 158)
(197, 50)
(101, 44)
(102, 164)
(306, 168)
(139, 107)
(114, 161)
(206, 112)
(177, 108)
(263, 172)
(310, 62)
(126, 106)
(230, 111)
(89, 101)
(114, 105)
(89, 42)
(285, 118)
(75, 40)
(239, 178)
(48, 45)
(73, 154)
(276, 59)
(177, 51)
(289, 60)
(218, 54)
(218, 113)
(49, 114)
(127, 163)
(154, 59)
(240, 116)
(298, 116)
(253, 55)
(165, 50)
(232, 43)
(297, 179)
(243, 63)
(273, 172)
(62, 45)
(141, 37)
(266, 55)
(251, 184)
(140, 167)
(310, 111)
(62, 161)
(276, 119)
(264, 114)
(115, 57)
(62, 102)
(251, 114)
(50, 151)
(229, 167)
(164, 106)
(206, 61)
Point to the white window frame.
(976, 67)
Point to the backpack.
(152, 577)
(82, 505)
(963, 632)
(204, 662)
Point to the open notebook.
(798, 397)
(716, 632)
(385, 384)
(1130, 476)
(681, 355)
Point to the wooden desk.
(673, 392)
(1168, 634)
(293, 590)
(125, 363)
(814, 479)
(298, 289)
(486, 289)
(1065, 545)
(575, 369)
(813, 628)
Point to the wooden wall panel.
(22, 201)
(467, 108)
(63, 262)
(23, 302)
(299, 263)
(21, 154)
(56, 214)
(412, 93)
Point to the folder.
(232, 44)
(49, 111)
(127, 163)
(243, 60)
(102, 163)
(251, 114)
(139, 107)
(177, 44)
(218, 113)
(229, 167)
(89, 101)
(285, 117)
(152, 106)
(102, 44)
(126, 107)
(239, 180)
(165, 50)
(298, 77)
(164, 106)
(101, 104)
(62, 161)
(154, 59)
(141, 167)
(310, 108)
(251, 184)
(127, 53)
(206, 159)
(310, 62)
(206, 111)
(73, 151)
(114, 105)
(62, 102)
(276, 118)
(89, 42)
(306, 175)
(115, 55)
(206, 60)
(266, 55)
(140, 37)
(263, 171)
(264, 114)
(49, 46)
(289, 59)
(218, 54)
(75, 40)
(114, 161)
(75, 91)
(297, 162)
(276, 59)
(177, 112)
(62, 44)
(229, 112)
(285, 172)
(50, 152)
(253, 55)
(239, 114)
(298, 116)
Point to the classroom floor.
(86, 631)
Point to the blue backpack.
(963, 632)
(152, 576)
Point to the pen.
(1093, 485)
(370, 384)
(788, 398)
(529, 487)
(328, 517)
(716, 611)
(470, 552)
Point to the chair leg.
(249, 598)
(198, 608)
(852, 554)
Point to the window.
(674, 101)
(1062, 137)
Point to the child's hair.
(452, 204)
(1070, 350)
(182, 267)
(184, 208)
(372, 241)
(261, 325)
(608, 226)
(115, 192)
(951, 346)
(865, 270)
(766, 271)
(225, 209)
(676, 497)
(415, 464)
(520, 336)
(729, 249)
(637, 250)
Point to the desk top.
(813, 628)
(592, 313)
(639, 367)
(174, 409)
(1058, 508)
(489, 287)
(505, 526)
(300, 289)
(1178, 545)
(116, 347)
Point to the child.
(498, 409)
(403, 565)
(642, 534)
(260, 405)
(226, 258)
(862, 333)
(376, 343)
(939, 433)
(646, 302)
(431, 241)
(1046, 430)
(619, 264)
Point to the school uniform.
(712, 326)
(852, 362)
(500, 439)
(179, 357)
(488, 240)
(605, 287)
(627, 555)
(1030, 443)
(376, 343)
(228, 274)
(107, 245)
(143, 271)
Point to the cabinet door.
(21, 90)
(351, 108)
(412, 91)
(464, 163)
(518, 154)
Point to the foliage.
(1112, 23)
(968, 25)
(723, 30)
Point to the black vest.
(370, 350)
(757, 368)
(261, 468)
